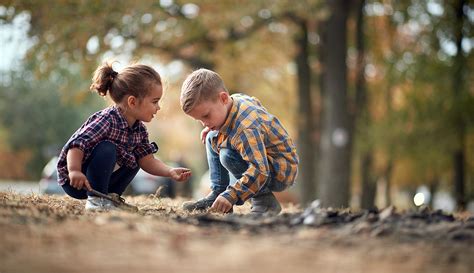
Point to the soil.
(40, 233)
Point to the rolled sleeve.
(145, 149)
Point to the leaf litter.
(33, 225)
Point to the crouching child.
(242, 139)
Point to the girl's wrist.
(71, 170)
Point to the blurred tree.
(336, 136)
(361, 112)
(305, 112)
(35, 118)
(445, 109)
(411, 51)
(305, 19)
(460, 9)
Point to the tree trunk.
(335, 142)
(361, 112)
(459, 188)
(434, 185)
(388, 182)
(305, 116)
(459, 157)
(368, 182)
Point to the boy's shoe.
(265, 204)
(95, 203)
(201, 204)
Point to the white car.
(49, 178)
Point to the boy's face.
(212, 114)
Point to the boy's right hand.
(78, 180)
(204, 133)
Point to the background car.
(49, 178)
(145, 183)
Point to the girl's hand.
(204, 134)
(78, 180)
(180, 174)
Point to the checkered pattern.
(262, 141)
(108, 125)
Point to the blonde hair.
(201, 85)
(135, 80)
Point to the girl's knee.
(106, 148)
(74, 193)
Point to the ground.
(54, 234)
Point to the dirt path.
(54, 234)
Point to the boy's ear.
(224, 97)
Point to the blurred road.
(23, 187)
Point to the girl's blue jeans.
(227, 166)
(99, 170)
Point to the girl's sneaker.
(95, 203)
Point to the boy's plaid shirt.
(108, 125)
(262, 141)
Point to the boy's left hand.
(221, 204)
(180, 174)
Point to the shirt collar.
(230, 117)
(122, 122)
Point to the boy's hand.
(221, 205)
(204, 134)
(78, 180)
(180, 174)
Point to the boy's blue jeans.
(99, 170)
(228, 166)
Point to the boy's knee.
(278, 186)
(210, 136)
(232, 161)
(224, 156)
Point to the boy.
(242, 138)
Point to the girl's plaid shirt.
(262, 141)
(108, 125)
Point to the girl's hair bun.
(103, 78)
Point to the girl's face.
(147, 107)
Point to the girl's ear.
(132, 101)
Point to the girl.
(107, 151)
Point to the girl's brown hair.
(135, 80)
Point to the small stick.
(117, 202)
(98, 193)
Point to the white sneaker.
(95, 203)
